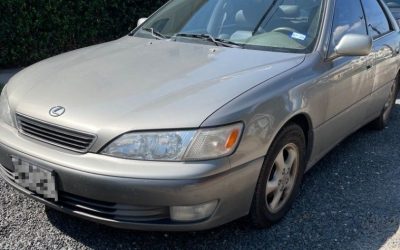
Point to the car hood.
(140, 84)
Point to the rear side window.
(393, 3)
(378, 24)
(348, 19)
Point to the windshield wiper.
(229, 43)
(208, 37)
(155, 33)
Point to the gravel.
(350, 200)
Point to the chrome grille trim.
(56, 135)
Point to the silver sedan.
(208, 111)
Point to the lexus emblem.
(57, 111)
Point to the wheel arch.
(304, 121)
(398, 83)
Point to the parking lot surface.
(350, 200)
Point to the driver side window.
(348, 19)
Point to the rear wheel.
(280, 177)
(383, 120)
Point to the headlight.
(187, 145)
(5, 112)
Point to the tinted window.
(393, 3)
(348, 19)
(378, 24)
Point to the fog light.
(193, 213)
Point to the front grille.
(56, 135)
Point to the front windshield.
(282, 25)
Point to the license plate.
(35, 178)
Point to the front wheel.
(280, 177)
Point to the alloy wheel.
(282, 178)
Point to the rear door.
(385, 51)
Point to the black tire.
(382, 121)
(48, 209)
(260, 214)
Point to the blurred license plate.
(35, 178)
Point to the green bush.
(31, 30)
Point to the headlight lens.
(5, 112)
(189, 145)
(169, 146)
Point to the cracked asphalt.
(350, 200)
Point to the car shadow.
(349, 200)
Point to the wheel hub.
(285, 179)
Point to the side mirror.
(354, 45)
(141, 21)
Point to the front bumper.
(125, 201)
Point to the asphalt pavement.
(350, 200)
